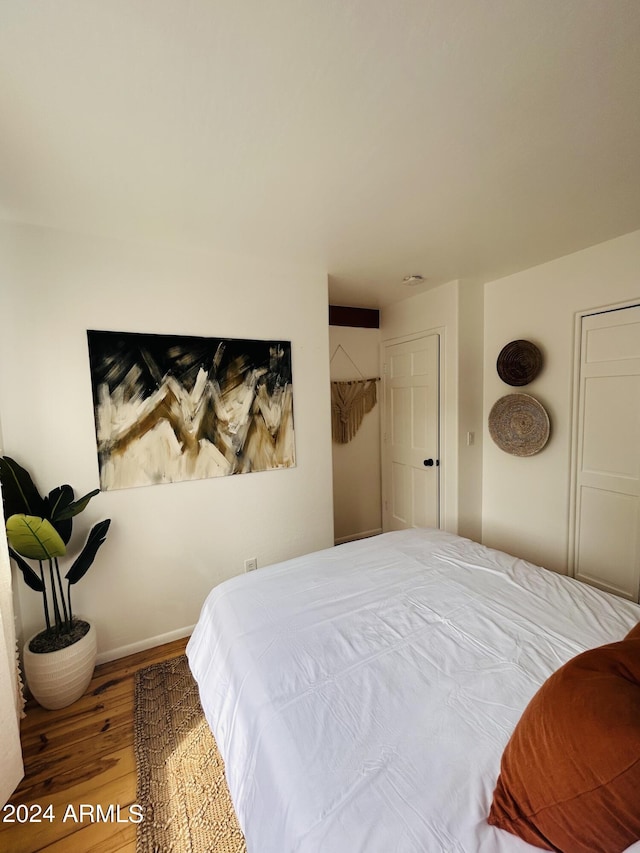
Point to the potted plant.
(59, 660)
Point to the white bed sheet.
(362, 696)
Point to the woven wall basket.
(519, 424)
(519, 363)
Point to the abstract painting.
(173, 407)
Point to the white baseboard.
(365, 534)
(143, 645)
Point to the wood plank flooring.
(81, 756)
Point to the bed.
(362, 696)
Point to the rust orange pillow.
(570, 775)
(634, 633)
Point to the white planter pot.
(56, 679)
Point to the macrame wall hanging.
(350, 402)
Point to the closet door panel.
(607, 528)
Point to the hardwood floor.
(81, 756)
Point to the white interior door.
(607, 528)
(11, 768)
(411, 443)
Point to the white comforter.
(361, 696)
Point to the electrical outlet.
(250, 564)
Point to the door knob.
(428, 462)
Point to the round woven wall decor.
(519, 363)
(519, 424)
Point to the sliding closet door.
(607, 528)
(410, 446)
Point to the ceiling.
(372, 139)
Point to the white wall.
(455, 311)
(470, 401)
(168, 544)
(356, 465)
(526, 500)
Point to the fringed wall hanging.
(350, 402)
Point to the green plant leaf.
(34, 537)
(18, 491)
(31, 578)
(85, 559)
(56, 502)
(74, 508)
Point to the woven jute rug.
(181, 782)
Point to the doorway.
(411, 434)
